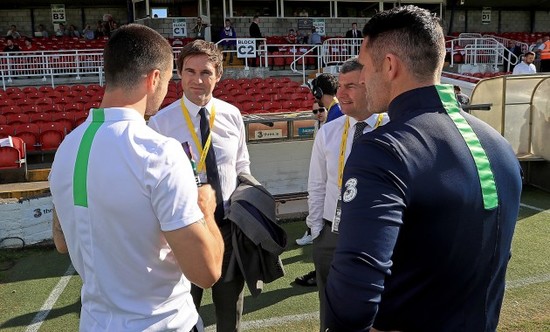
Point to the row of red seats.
(46, 136)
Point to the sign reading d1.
(246, 48)
(179, 28)
(486, 15)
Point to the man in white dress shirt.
(127, 201)
(200, 66)
(331, 148)
(527, 66)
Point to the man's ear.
(391, 66)
(153, 80)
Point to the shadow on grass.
(263, 301)
(26, 319)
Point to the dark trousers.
(227, 296)
(323, 251)
(545, 66)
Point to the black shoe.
(308, 279)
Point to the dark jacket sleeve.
(373, 202)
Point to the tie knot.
(359, 127)
(202, 112)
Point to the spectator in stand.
(526, 66)
(303, 13)
(291, 37)
(13, 32)
(324, 89)
(29, 46)
(254, 31)
(315, 37)
(515, 49)
(229, 45)
(354, 32)
(99, 31)
(461, 97)
(61, 31)
(10, 45)
(535, 47)
(199, 29)
(545, 55)
(72, 31)
(43, 31)
(88, 32)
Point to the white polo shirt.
(129, 184)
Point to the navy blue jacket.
(417, 249)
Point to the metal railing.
(46, 65)
(481, 51)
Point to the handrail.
(314, 50)
(472, 46)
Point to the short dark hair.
(530, 53)
(132, 51)
(350, 65)
(202, 47)
(328, 83)
(411, 33)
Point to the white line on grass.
(50, 302)
(272, 322)
(534, 208)
(528, 281)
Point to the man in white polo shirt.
(126, 203)
(526, 66)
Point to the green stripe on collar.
(80, 185)
(485, 174)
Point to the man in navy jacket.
(428, 217)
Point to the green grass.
(526, 307)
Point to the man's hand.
(207, 200)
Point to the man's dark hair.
(530, 53)
(202, 47)
(132, 51)
(328, 83)
(412, 34)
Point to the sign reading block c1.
(246, 48)
(179, 29)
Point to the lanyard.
(203, 151)
(334, 101)
(343, 144)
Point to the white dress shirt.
(228, 138)
(523, 68)
(323, 168)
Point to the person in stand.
(12, 32)
(324, 89)
(461, 97)
(215, 132)
(229, 45)
(29, 46)
(43, 31)
(545, 55)
(291, 38)
(254, 31)
(429, 201)
(72, 32)
(199, 29)
(526, 66)
(137, 245)
(354, 32)
(11, 46)
(88, 32)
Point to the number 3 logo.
(351, 190)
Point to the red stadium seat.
(14, 156)
(50, 140)
(80, 117)
(6, 130)
(28, 132)
(3, 120)
(40, 117)
(14, 119)
(5, 110)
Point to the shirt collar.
(122, 114)
(194, 108)
(370, 121)
(424, 98)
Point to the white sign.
(58, 14)
(246, 48)
(319, 26)
(486, 15)
(268, 134)
(179, 28)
